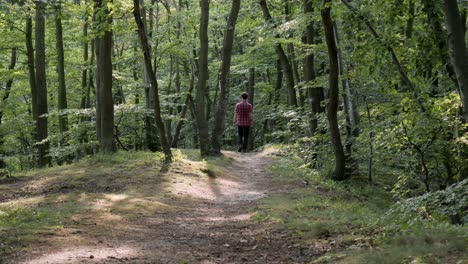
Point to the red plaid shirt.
(244, 113)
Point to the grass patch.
(23, 224)
(346, 217)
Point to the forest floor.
(131, 209)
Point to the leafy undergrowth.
(352, 221)
(44, 201)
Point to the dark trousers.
(243, 136)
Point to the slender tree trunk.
(457, 49)
(370, 162)
(154, 83)
(285, 64)
(315, 94)
(62, 92)
(84, 72)
(175, 139)
(350, 106)
(202, 123)
(404, 77)
(6, 94)
(278, 82)
(151, 132)
(8, 84)
(41, 86)
(340, 162)
(31, 67)
(292, 55)
(251, 92)
(440, 36)
(220, 117)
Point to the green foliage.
(362, 220)
(449, 205)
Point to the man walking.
(243, 119)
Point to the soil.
(190, 218)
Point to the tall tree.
(41, 86)
(154, 83)
(340, 161)
(251, 92)
(62, 92)
(6, 94)
(220, 117)
(104, 100)
(457, 49)
(202, 123)
(283, 59)
(459, 57)
(315, 94)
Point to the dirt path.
(194, 219)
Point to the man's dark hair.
(245, 95)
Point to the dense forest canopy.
(369, 82)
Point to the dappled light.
(234, 131)
(91, 254)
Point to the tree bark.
(62, 92)
(457, 49)
(154, 83)
(202, 123)
(251, 92)
(220, 117)
(8, 85)
(459, 58)
(285, 64)
(175, 139)
(31, 68)
(440, 36)
(315, 94)
(105, 103)
(340, 162)
(41, 87)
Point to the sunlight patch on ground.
(219, 189)
(84, 254)
(240, 217)
(23, 202)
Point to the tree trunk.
(31, 68)
(154, 83)
(41, 86)
(202, 123)
(440, 36)
(278, 82)
(8, 85)
(315, 94)
(62, 92)
(404, 77)
(285, 64)
(251, 92)
(457, 49)
(218, 129)
(151, 132)
(459, 58)
(105, 103)
(340, 162)
(175, 139)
